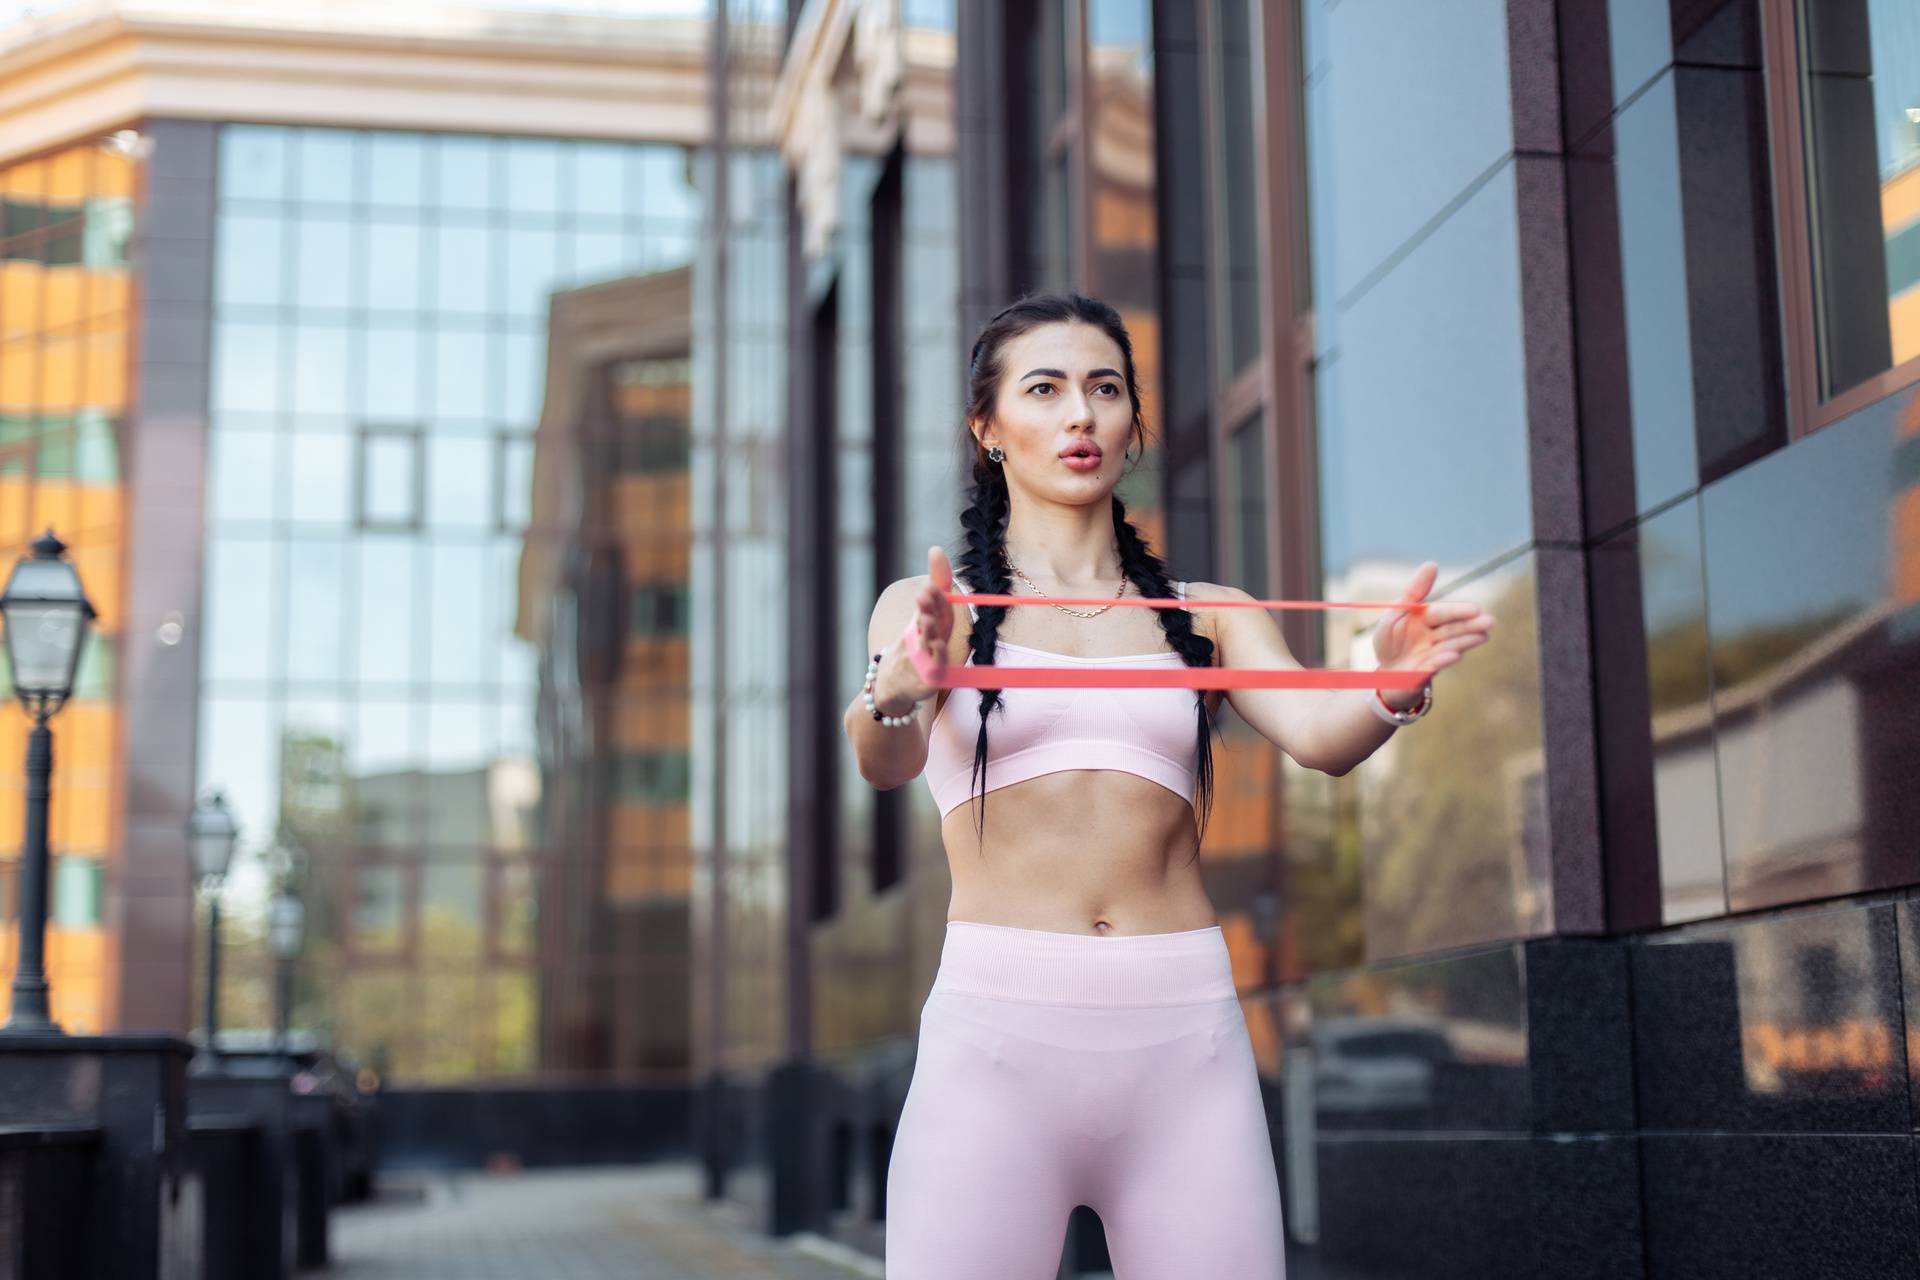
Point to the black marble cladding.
(1730, 1098)
(1788, 1023)
(1804, 1206)
(1489, 1207)
(1908, 916)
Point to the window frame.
(411, 433)
(1786, 132)
(1278, 382)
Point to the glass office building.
(373, 423)
(1607, 967)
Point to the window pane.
(389, 602)
(76, 892)
(667, 192)
(456, 615)
(600, 178)
(328, 166)
(324, 266)
(451, 912)
(466, 173)
(242, 602)
(533, 259)
(320, 370)
(533, 175)
(379, 909)
(461, 376)
(460, 482)
(387, 479)
(314, 580)
(323, 467)
(395, 166)
(660, 609)
(392, 390)
(516, 481)
(462, 277)
(107, 229)
(651, 777)
(246, 367)
(1860, 88)
(249, 260)
(253, 163)
(393, 267)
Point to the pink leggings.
(1058, 1069)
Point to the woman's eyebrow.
(1061, 373)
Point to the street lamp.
(211, 834)
(47, 614)
(286, 930)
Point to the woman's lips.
(1082, 461)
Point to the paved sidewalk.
(646, 1223)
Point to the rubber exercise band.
(951, 676)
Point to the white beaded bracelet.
(1378, 703)
(866, 691)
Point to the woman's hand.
(898, 681)
(1432, 638)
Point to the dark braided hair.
(984, 563)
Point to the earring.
(997, 454)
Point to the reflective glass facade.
(448, 584)
(1639, 879)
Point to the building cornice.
(89, 69)
(854, 79)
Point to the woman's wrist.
(1402, 699)
(888, 698)
(1406, 705)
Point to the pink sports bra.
(1149, 732)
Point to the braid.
(1145, 570)
(984, 565)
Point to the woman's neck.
(1066, 547)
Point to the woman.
(1083, 1043)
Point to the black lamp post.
(47, 615)
(286, 931)
(211, 833)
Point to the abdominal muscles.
(1082, 851)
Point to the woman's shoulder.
(1206, 621)
(1214, 591)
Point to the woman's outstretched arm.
(1333, 730)
(890, 755)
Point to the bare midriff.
(1093, 851)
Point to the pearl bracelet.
(1378, 704)
(866, 691)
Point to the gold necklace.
(1062, 608)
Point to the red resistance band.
(949, 676)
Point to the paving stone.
(646, 1223)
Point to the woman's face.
(1063, 390)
